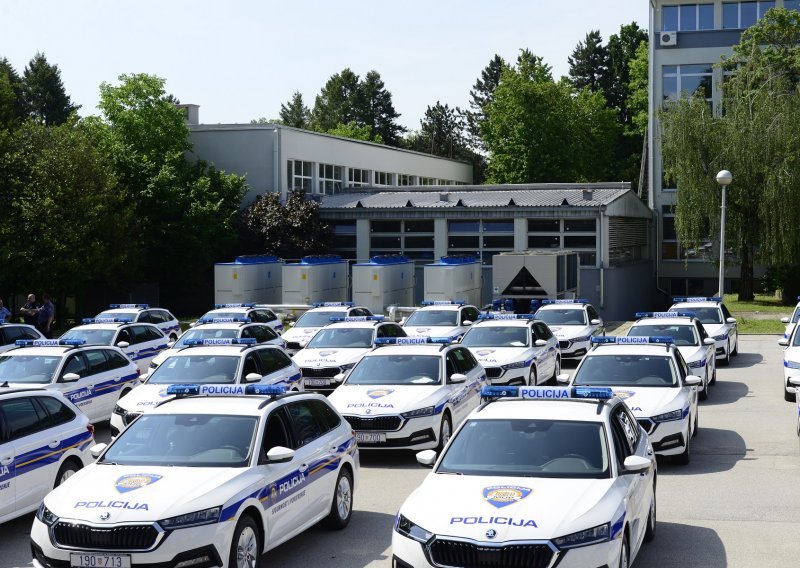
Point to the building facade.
(686, 41)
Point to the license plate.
(99, 560)
(317, 382)
(370, 437)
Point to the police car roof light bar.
(412, 340)
(221, 341)
(331, 304)
(223, 320)
(49, 342)
(336, 319)
(128, 306)
(87, 321)
(442, 302)
(265, 390)
(546, 393)
(220, 306)
(575, 301)
(687, 299)
(506, 317)
(640, 315)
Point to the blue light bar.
(601, 339)
(210, 319)
(696, 299)
(127, 306)
(356, 318)
(506, 317)
(49, 342)
(183, 390)
(600, 393)
(640, 315)
(535, 303)
(546, 393)
(266, 390)
(505, 304)
(220, 306)
(222, 341)
(632, 340)
(331, 304)
(577, 301)
(442, 303)
(87, 321)
(414, 340)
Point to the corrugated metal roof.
(445, 197)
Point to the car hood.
(517, 508)
(433, 330)
(332, 357)
(498, 356)
(652, 401)
(144, 493)
(300, 334)
(713, 329)
(693, 352)
(569, 331)
(375, 400)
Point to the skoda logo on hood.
(491, 533)
(105, 516)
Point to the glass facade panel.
(669, 251)
(344, 242)
(344, 227)
(463, 226)
(579, 242)
(580, 225)
(688, 17)
(670, 88)
(299, 175)
(463, 242)
(705, 17)
(669, 19)
(791, 4)
(499, 226)
(385, 242)
(730, 15)
(425, 226)
(748, 14)
(544, 225)
(357, 177)
(503, 242)
(419, 242)
(329, 179)
(544, 242)
(403, 179)
(668, 233)
(384, 227)
(587, 258)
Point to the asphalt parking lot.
(736, 504)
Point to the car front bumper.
(420, 433)
(667, 438)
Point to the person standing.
(30, 311)
(45, 317)
(5, 315)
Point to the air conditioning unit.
(667, 39)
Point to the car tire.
(703, 394)
(623, 553)
(788, 396)
(725, 361)
(445, 431)
(532, 377)
(69, 468)
(342, 502)
(650, 529)
(713, 380)
(696, 423)
(246, 545)
(556, 371)
(686, 456)
(735, 351)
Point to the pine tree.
(589, 64)
(377, 111)
(481, 94)
(338, 102)
(12, 106)
(43, 92)
(621, 52)
(294, 112)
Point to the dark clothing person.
(30, 311)
(45, 317)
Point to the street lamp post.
(724, 178)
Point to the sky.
(240, 59)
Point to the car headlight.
(721, 337)
(153, 365)
(119, 410)
(517, 365)
(581, 338)
(583, 538)
(668, 416)
(347, 367)
(415, 532)
(427, 411)
(696, 364)
(791, 364)
(204, 517)
(45, 515)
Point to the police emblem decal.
(624, 394)
(503, 495)
(135, 481)
(484, 352)
(378, 393)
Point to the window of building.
(425, 226)
(428, 181)
(405, 179)
(687, 17)
(385, 226)
(484, 239)
(544, 241)
(329, 179)
(741, 15)
(579, 225)
(544, 225)
(299, 175)
(412, 238)
(671, 248)
(344, 238)
(384, 178)
(579, 235)
(686, 80)
(357, 177)
(792, 4)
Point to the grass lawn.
(750, 325)
(762, 303)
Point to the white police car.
(650, 375)
(252, 312)
(307, 325)
(141, 342)
(690, 338)
(221, 366)
(92, 377)
(541, 476)
(795, 382)
(716, 320)
(160, 317)
(44, 440)
(335, 349)
(791, 321)
(204, 481)
(574, 323)
(441, 318)
(11, 332)
(791, 364)
(410, 392)
(514, 349)
(221, 328)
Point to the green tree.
(377, 111)
(9, 76)
(638, 87)
(442, 132)
(589, 64)
(356, 132)
(481, 94)
(338, 102)
(294, 112)
(291, 230)
(622, 51)
(43, 92)
(756, 139)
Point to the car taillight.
(90, 428)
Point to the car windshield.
(433, 317)
(492, 336)
(562, 316)
(682, 334)
(795, 315)
(188, 440)
(342, 337)
(397, 370)
(206, 333)
(705, 315)
(195, 369)
(626, 371)
(34, 369)
(528, 448)
(119, 315)
(796, 340)
(92, 336)
(223, 314)
(317, 319)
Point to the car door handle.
(6, 460)
(54, 443)
(303, 468)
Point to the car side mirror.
(783, 342)
(784, 320)
(635, 464)
(693, 380)
(291, 324)
(540, 343)
(170, 344)
(596, 322)
(97, 449)
(467, 323)
(123, 344)
(563, 379)
(339, 377)
(794, 381)
(280, 454)
(458, 378)
(252, 378)
(70, 378)
(708, 341)
(402, 320)
(731, 320)
(426, 458)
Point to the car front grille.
(119, 538)
(378, 423)
(647, 424)
(493, 372)
(129, 417)
(565, 344)
(320, 373)
(293, 345)
(474, 555)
